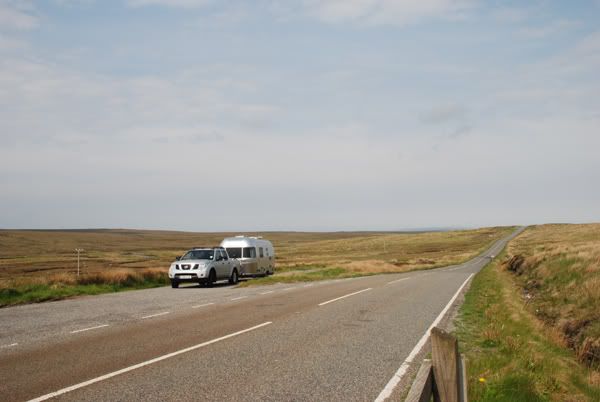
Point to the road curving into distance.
(352, 339)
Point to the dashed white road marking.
(293, 287)
(155, 315)
(343, 297)
(267, 292)
(202, 305)
(308, 285)
(146, 363)
(89, 329)
(397, 280)
(238, 298)
(393, 382)
(12, 345)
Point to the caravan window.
(260, 250)
(249, 252)
(234, 252)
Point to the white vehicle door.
(223, 265)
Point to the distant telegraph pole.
(79, 250)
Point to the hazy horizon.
(251, 231)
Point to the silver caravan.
(256, 255)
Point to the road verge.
(511, 355)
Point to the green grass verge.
(511, 356)
(35, 293)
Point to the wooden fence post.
(446, 366)
(422, 388)
(462, 380)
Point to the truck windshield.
(234, 252)
(198, 255)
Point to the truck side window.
(224, 254)
(260, 251)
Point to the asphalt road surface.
(343, 340)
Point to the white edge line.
(267, 292)
(146, 363)
(397, 280)
(89, 329)
(202, 305)
(154, 315)
(389, 388)
(238, 298)
(308, 285)
(293, 287)
(343, 297)
(9, 346)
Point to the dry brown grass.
(31, 254)
(389, 252)
(560, 277)
(119, 277)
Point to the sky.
(240, 115)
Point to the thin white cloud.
(68, 3)
(17, 15)
(384, 12)
(444, 114)
(169, 3)
(8, 43)
(553, 28)
(511, 14)
(581, 58)
(68, 101)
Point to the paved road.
(343, 340)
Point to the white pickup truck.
(204, 265)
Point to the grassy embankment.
(41, 265)
(530, 323)
(61, 286)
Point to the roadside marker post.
(79, 250)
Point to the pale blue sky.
(298, 115)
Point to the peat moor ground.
(38, 265)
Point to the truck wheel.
(233, 279)
(174, 284)
(212, 278)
